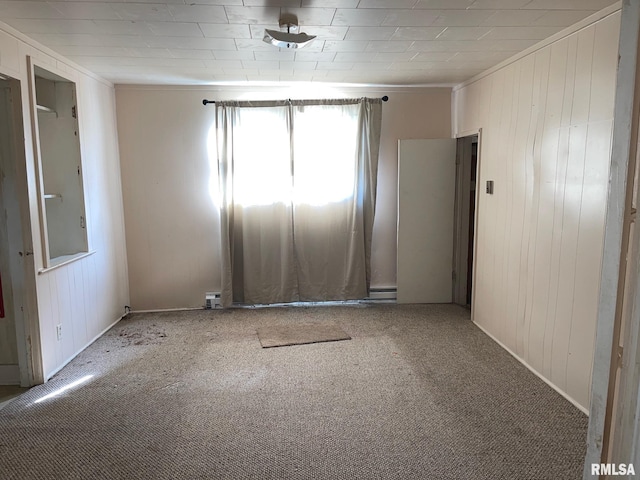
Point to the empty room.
(319, 240)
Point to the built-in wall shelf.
(43, 109)
(48, 196)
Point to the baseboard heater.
(212, 300)
(383, 293)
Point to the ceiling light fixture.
(288, 36)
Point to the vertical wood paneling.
(546, 124)
(68, 295)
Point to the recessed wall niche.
(58, 166)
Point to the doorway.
(465, 214)
(19, 334)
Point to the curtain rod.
(207, 102)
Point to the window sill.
(65, 260)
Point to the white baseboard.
(9, 375)
(537, 374)
(178, 309)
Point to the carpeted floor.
(418, 393)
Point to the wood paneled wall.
(546, 123)
(88, 295)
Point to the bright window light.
(323, 141)
(325, 153)
(64, 389)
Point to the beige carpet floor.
(418, 393)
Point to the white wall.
(546, 122)
(88, 295)
(171, 223)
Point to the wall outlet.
(59, 331)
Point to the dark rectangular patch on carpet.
(284, 335)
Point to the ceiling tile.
(85, 10)
(360, 17)
(271, 3)
(415, 65)
(499, 4)
(198, 13)
(370, 33)
(157, 53)
(223, 64)
(55, 39)
(463, 33)
(330, 3)
(298, 65)
(275, 55)
(387, 47)
(121, 27)
(252, 14)
(233, 55)
(314, 56)
(433, 56)
(175, 29)
(224, 30)
(462, 18)
(397, 41)
(310, 16)
(444, 4)
(520, 33)
(29, 26)
(202, 2)
(334, 66)
(561, 18)
(345, 46)
(569, 4)
(191, 42)
(411, 18)
(185, 53)
(354, 57)
(387, 3)
(371, 66)
(27, 9)
(417, 33)
(142, 11)
(261, 65)
(93, 51)
(513, 18)
(394, 57)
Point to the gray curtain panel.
(297, 184)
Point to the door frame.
(460, 247)
(21, 258)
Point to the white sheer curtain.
(297, 186)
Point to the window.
(58, 166)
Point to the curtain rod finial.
(385, 98)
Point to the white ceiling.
(393, 42)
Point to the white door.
(426, 193)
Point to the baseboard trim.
(66, 362)
(537, 374)
(160, 310)
(9, 375)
